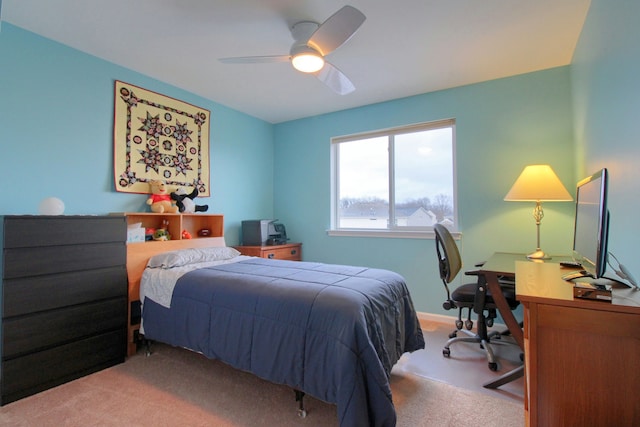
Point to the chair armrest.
(473, 273)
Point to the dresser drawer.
(38, 231)
(39, 293)
(41, 370)
(47, 329)
(25, 262)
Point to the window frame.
(390, 231)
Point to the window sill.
(391, 234)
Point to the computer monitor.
(591, 224)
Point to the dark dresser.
(64, 300)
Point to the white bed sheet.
(158, 283)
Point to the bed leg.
(299, 398)
(147, 347)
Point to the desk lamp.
(538, 183)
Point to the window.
(394, 180)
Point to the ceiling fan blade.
(255, 59)
(335, 79)
(336, 30)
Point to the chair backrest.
(448, 254)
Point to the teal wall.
(606, 90)
(56, 109)
(501, 126)
(56, 134)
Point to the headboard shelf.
(176, 223)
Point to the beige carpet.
(175, 387)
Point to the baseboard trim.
(438, 318)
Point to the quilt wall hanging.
(158, 137)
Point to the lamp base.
(538, 254)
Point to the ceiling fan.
(312, 42)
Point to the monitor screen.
(591, 224)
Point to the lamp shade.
(538, 183)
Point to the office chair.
(472, 296)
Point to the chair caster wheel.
(459, 324)
(493, 366)
(302, 413)
(489, 323)
(446, 352)
(453, 334)
(468, 324)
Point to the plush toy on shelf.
(161, 234)
(185, 201)
(160, 201)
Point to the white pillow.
(191, 256)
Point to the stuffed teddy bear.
(160, 201)
(185, 201)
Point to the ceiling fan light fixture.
(306, 59)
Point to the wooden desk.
(581, 356)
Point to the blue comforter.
(331, 331)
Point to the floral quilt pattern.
(157, 137)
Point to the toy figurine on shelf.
(160, 201)
(161, 234)
(185, 201)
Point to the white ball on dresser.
(51, 206)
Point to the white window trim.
(395, 234)
(405, 233)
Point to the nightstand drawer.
(290, 251)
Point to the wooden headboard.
(138, 254)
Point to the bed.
(330, 331)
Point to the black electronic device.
(280, 235)
(263, 232)
(592, 291)
(570, 264)
(591, 225)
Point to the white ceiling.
(404, 48)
